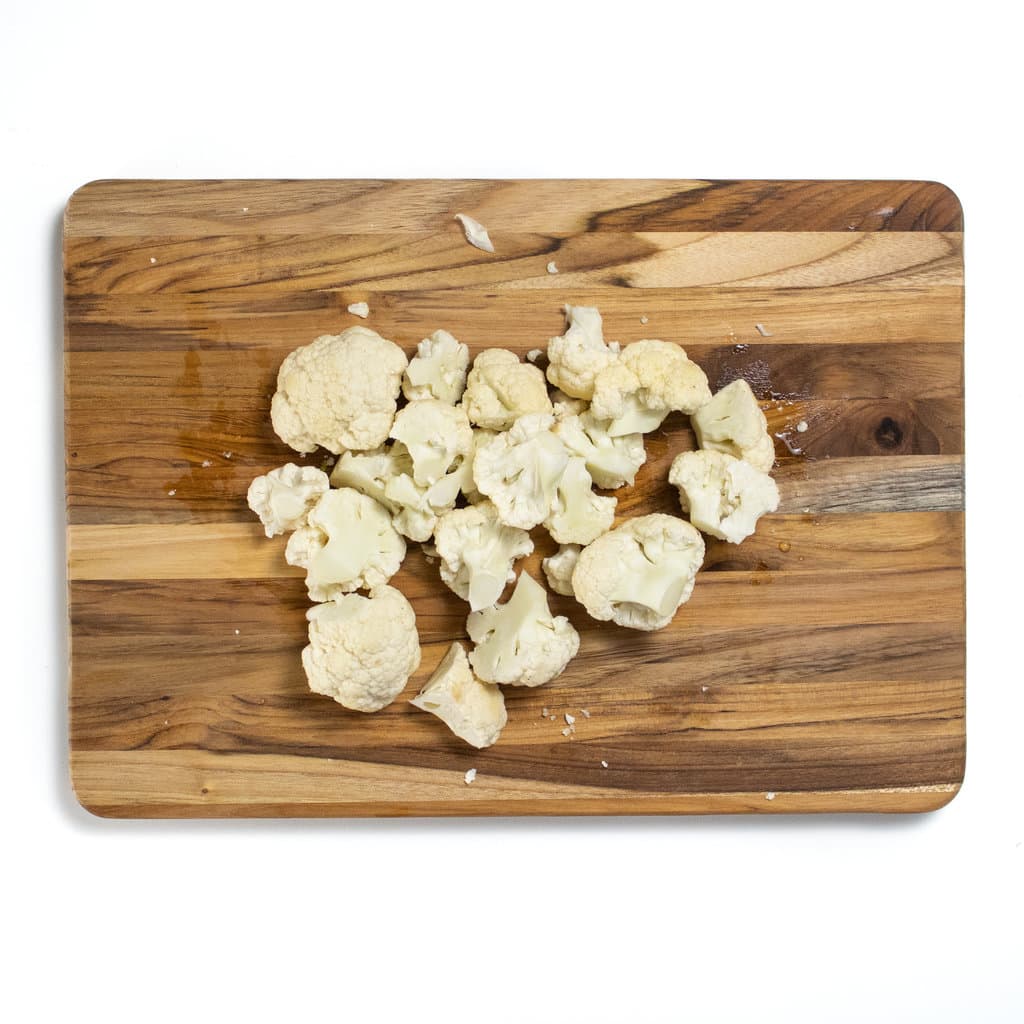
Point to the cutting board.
(819, 666)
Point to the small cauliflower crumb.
(552, 269)
(470, 776)
(801, 426)
(227, 455)
(238, 632)
(643, 319)
(543, 712)
(360, 309)
(152, 259)
(763, 331)
(584, 712)
(475, 232)
(704, 689)
(568, 730)
(172, 493)
(769, 796)
(534, 354)
(569, 719)
(604, 764)
(207, 463)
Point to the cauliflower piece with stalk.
(362, 650)
(438, 370)
(611, 461)
(283, 497)
(578, 356)
(477, 553)
(578, 515)
(348, 543)
(472, 709)
(651, 379)
(733, 423)
(500, 389)
(520, 643)
(338, 392)
(435, 434)
(519, 471)
(640, 573)
(559, 566)
(723, 496)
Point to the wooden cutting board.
(818, 667)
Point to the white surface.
(619, 920)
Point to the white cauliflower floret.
(723, 496)
(438, 370)
(339, 392)
(563, 406)
(640, 573)
(472, 709)
(651, 379)
(732, 422)
(477, 553)
(435, 434)
(519, 471)
(611, 461)
(283, 497)
(371, 472)
(500, 389)
(481, 439)
(578, 515)
(347, 544)
(576, 357)
(362, 650)
(559, 566)
(520, 643)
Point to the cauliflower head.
(472, 709)
(362, 650)
(348, 543)
(500, 389)
(477, 552)
(435, 434)
(338, 392)
(611, 461)
(558, 568)
(519, 471)
(283, 497)
(578, 515)
(723, 496)
(640, 573)
(578, 356)
(733, 423)
(438, 370)
(521, 643)
(651, 379)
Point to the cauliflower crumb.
(534, 354)
(470, 776)
(604, 764)
(360, 309)
(801, 426)
(152, 259)
(569, 719)
(704, 689)
(769, 796)
(763, 331)
(475, 232)
(207, 463)
(543, 712)
(238, 632)
(643, 319)
(568, 730)
(552, 269)
(227, 455)
(171, 493)
(584, 712)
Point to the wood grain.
(818, 667)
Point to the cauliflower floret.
(339, 391)
(559, 566)
(438, 370)
(640, 573)
(732, 422)
(519, 471)
(472, 709)
(283, 497)
(347, 544)
(370, 472)
(578, 515)
(481, 439)
(578, 356)
(723, 496)
(651, 379)
(500, 389)
(435, 434)
(477, 553)
(611, 461)
(563, 406)
(520, 643)
(362, 650)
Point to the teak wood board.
(819, 666)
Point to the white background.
(783, 919)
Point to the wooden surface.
(818, 667)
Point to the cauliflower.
(472, 709)
(732, 422)
(481, 439)
(576, 357)
(650, 380)
(500, 389)
(362, 650)
(347, 544)
(339, 391)
(723, 496)
(611, 461)
(283, 497)
(520, 643)
(477, 552)
(370, 472)
(435, 434)
(563, 406)
(578, 515)
(438, 370)
(640, 573)
(559, 566)
(519, 471)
